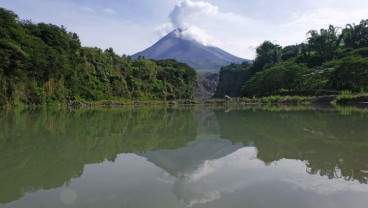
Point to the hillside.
(43, 64)
(331, 60)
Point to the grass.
(274, 99)
(121, 102)
(347, 97)
(286, 99)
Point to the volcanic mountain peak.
(178, 32)
(176, 46)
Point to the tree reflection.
(331, 144)
(47, 149)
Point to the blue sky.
(237, 26)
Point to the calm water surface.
(184, 157)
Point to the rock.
(172, 102)
(206, 86)
(227, 97)
(324, 99)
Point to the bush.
(352, 75)
(282, 76)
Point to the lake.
(247, 156)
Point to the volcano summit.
(202, 58)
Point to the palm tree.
(325, 42)
(356, 36)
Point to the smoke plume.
(187, 10)
(187, 16)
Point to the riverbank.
(345, 98)
(215, 101)
(342, 99)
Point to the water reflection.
(46, 149)
(204, 154)
(331, 144)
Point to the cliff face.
(206, 86)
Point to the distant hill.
(191, 52)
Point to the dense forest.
(44, 63)
(332, 59)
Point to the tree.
(325, 42)
(44, 63)
(351, 75)
(291, 51)
(231, 79)
(281, 76)
(267, 53)
(8, 19)
(356, 36)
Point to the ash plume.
(186, 16)
(188, 9)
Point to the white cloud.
(300, 24)
(189, 10)
(242, 170)
(97, 9)
(236, 26)
(201, 36)
(241, 33)
(164, 29)
(87, 9)
(205, 23)
(108, 11)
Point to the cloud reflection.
(241, 170)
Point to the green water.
(184, 157)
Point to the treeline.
(43, 63)
(332, 59)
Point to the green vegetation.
(285, 99)
(331, 60)
(325, 140)
(45, 149)
(232, 78)
(272, 99)
(43, 64)
(347, 97)
(281, 76)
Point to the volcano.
(200, 57)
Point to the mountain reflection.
(46, 149)
(330, 145)
(185, 161)
(41, 150)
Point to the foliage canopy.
(332, 59)
(44, 63)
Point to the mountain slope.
(196, 55)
